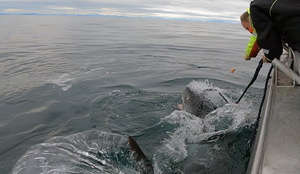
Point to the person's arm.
(267, 38)
(252, 48)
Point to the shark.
(198, 104)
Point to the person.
(276, 22)
(252, 47)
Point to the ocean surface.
(74, 88)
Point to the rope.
(253, 79)
(260, 109)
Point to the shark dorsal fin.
(144, 166)
(136, 149)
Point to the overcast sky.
(177, 9)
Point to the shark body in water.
(198, 104)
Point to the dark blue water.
(74, 88)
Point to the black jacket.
(274, 21)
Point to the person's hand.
(264, 59)
(247, 57)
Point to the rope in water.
(253, 135)
(260, 109)
(253, 79)
(259, 66)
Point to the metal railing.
(286, 69)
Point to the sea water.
(73, 88)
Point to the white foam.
(77, 153)
(65, 88)
(63, 81)
(199, 86)
(96, 69)
(193, 131)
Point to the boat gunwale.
(257, 154)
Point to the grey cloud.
(229, 9)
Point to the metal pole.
(286, 70)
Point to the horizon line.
(117, 16)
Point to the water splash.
(66, 80)
(192, 145)
(197, 144)
(63, 81)
(207, 89)
(87, 152)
